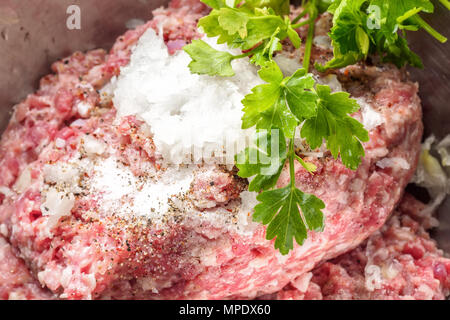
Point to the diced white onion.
(56, 205)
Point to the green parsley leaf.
(263, 96)
(264, 53)
(207, 60)
(241, 28)
(279, 209)
(402, 14)
(211, 27)
(233, 21)
(301, 100)
(264, 160)
(345, 140)
(280, 7)
(324, 5)
(339, 60)
(399, 53)
(362, 40)
(281, 102)
(293, 36)
(361, 27)
(278, 116)
(333, 124)
(215, 4)
(261, 28)
(347, 18)
(391, 12)
(316, 129)
(308, 166)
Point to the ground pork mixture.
(399, 261)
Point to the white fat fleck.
(330, 80)
(23, 182)
(184, 110)
(78, 123)
(85, 86)
(323, 42)
(341, 247)
(16, 295)
(60, 143)
(208, 257)
(6, 191)
(370, 118)
(93, 146)
(373, 277)
(108, 89)
(390, 271)
(288, 65)
(395, 163)
(301, 283)
(61, 173)
(357, 185)
(66, 276)
(3, 230)
(84, 109)
(257, 263)
(426, 291)
(379, 152)
(245, 222)
(56, 205)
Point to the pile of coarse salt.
(125, 194)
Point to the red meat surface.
(399, 261)
(94, 253)
(16, 281)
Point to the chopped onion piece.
(430, 174)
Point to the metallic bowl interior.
(33, 34)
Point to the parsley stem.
(445, 3)
(301, 15)
(408, 15)
(301, 24)
(246, 54)
(429, 29)
(291, 163)
(309, 39)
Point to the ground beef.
(92, 252)
(399, 261)
(16, 281)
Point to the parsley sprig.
(362, 27)
(283, 105)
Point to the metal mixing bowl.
(33, 34)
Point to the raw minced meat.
(204, 245)
(399, 261)
(16, 281)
